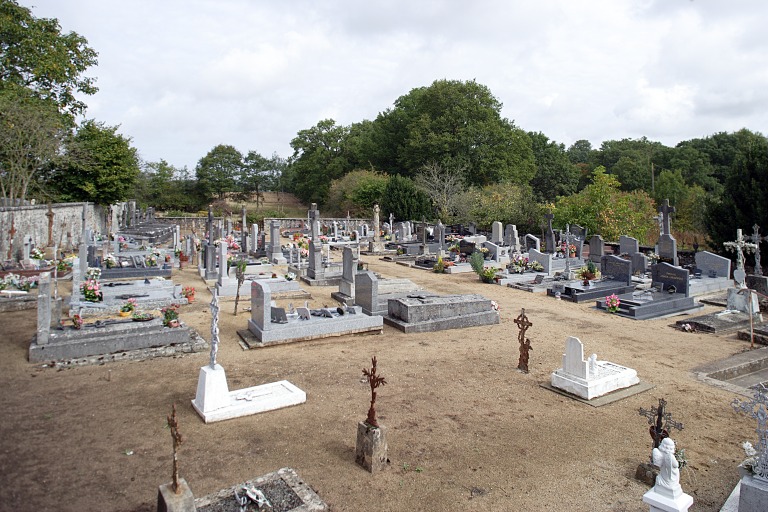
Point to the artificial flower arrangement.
(77, 321)
(36, 254)
(110, 261)
(612, 303)
(22, 283)
(91, 289)
(93, 273)
(170, 315)
(188, 292)
(150, 260)
(290, 276)
(129, 306)
(487, 274)
(439, 267)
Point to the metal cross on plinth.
(757, 408)
(173, 424)
(756, 239)
(525, 344)
(740, 246)
(660, 422)
(568, 238)
(375, 381)
(214, 327)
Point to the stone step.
(750, 379)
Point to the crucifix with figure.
(755, 238)
(739, 247)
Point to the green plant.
(170, 315)
(476, 261)
(439, 267)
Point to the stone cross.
(376, 227)
(756, 239)
(173, 424)
(214, 327)
(375, 381)
(525, 344)
(50, 215)
(739, 247)
(757, 408)
(549, 217)
(660, 422)
(665, 210)
(314, 223)
(11, 234)
(568, 239)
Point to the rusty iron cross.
(660, 422)
(173, 424)
(525, 344)
(375, 381)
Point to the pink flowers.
(612, 303)
(91, 289)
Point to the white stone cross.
(739, 247)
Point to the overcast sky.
(181, 76)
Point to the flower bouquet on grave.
(488, 274)
(141, 317)
(612, 303)
(26, 283)
(91, 289)
(93, 273)
(170, 315)
(290, 276)
(110, 261)
(536, 266)
(188, 292)
(588, 272)
(439, 267)
(77, 322)
(36, 254)
(128, 308)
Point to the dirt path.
(466, 431)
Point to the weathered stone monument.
(590, 378)
(371, 446)
(346, 293)
(549, 234)
(175, 496)
(740, 246)
(667, 243)
(276, 250)
(754, 483)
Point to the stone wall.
(64, 229)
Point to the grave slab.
(719, 322)
(284, 489)
(214, 402)
(427, 313)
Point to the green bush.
(477, 261)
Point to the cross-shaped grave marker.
(740, 246)
(665, 210)
(525, 344)
(756, 239)
(660, 422)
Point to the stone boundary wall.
(65, 230)
(191, 224)
(303, 223)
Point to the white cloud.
(183, 76)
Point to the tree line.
(441, 151)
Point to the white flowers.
(748, 449)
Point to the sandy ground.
(466, 430)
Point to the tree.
(166, 187)
(217, 171)
(404, 200)
(507, 203)
(318, 159)
(602, 207)
(356, 193)
(745, 198)
(36, 56)
(258, 174)
(555, 174)
(458, 126)
(445, 188)
(31, 132)
(100, 165)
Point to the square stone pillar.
(371, 449)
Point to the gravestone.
(44, 308)
(617, 269)
(244, 231)
(511, 239)
(549, 235)
(596, 248)
(276, 251)
(346, 293)
(545, 259)
(590, 378)
(254, 238)
(496, 233)
(712, 265)
(666, 276)
(223, 265)
(667, 244)
(628, 245)
(439, 235)
(532, 242)
(639, 263)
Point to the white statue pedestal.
(214, 401)
(664, 503)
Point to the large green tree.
(457, 125)
(100, 165)
(218, 171)
(555, 174)
(31, 131)
(36, 56)
(319, 157)
(356, 193)
(405, 201)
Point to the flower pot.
(125, 313)
(190, 299)
(173, 323)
